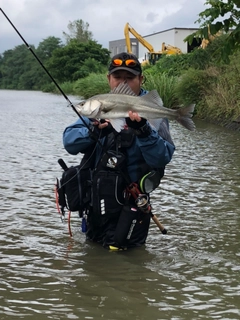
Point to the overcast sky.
(38, 19)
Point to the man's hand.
(101, 129)
(134, 116)
(135, 121)
(140, 125)
(102, 123)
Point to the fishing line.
(44, 68)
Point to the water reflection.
(191, 273)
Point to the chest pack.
(100, 187)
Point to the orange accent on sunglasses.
(128, 62)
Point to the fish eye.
(82, 103)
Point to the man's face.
(120, 76)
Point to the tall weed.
(223, 96)
(165, 85)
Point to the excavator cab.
(153, 57)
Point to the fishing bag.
(132, 227)
(75, 184)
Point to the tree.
(44, 52)
(20, 70)
(78, 31)
(1, 59)
(13, 65)
(47, 46)
(77, 60)
(222, 16)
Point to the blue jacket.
(152, 150)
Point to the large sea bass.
(115, 106)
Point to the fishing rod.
(157, 222)
(44, 68)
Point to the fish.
(116, 104)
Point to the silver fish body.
(121, 100)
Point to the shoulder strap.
(88, 159)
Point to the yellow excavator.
(168, 49)
(211, 37)
(152, 55)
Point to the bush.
(91, 85)
(49, 87)
(191, 86)
(215, 91)
(223, 96)
(172, 65)
(176, 64)
(67, 87)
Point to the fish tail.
(185, 115)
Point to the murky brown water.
(191, 273)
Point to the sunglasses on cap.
(129, 63)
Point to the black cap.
(137, 70)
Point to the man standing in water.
(114, 218)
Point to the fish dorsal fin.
(153, 97)
(123, 88)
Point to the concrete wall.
(156, 41)
(118, 46)
(180, 35)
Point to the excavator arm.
(153, 56)
(146, 44)
(127, 39)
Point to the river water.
(193, 272)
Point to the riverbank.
(235, 125)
